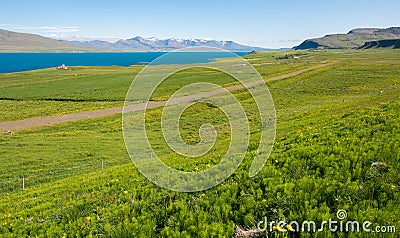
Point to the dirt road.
(10, 127)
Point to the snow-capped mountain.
(155, 44)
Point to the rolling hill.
(22, 42)
(352, 40)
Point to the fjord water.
(17, 62)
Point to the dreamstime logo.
(332, 225)
(341, 214)
(138, 143)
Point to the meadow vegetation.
(337, 147)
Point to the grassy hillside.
(21, 42)
(335, 124)
(391, 44)
(352, 40)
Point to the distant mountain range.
(22, 42)
(360, 38)
(354, 39)
(155, 44)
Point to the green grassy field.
(334, 123)
(50, 92)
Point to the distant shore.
(24, 61)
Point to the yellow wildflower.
(289, 227)
(278, 228)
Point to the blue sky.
(262, 23)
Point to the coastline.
(14, 62)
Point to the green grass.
(76, 84)
(347, 81)
(333, 124)
(13, 110)
(50, 92)
(189, 76)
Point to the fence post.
(23, 183)
(102, 164)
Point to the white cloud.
(80, 38)
(55, 32)
(296, 40)
(41, 29)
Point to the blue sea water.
(17, 62)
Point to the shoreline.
(210, 59)
(119, 51)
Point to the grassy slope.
(332, 124)
(351, 40)
(22, 42)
